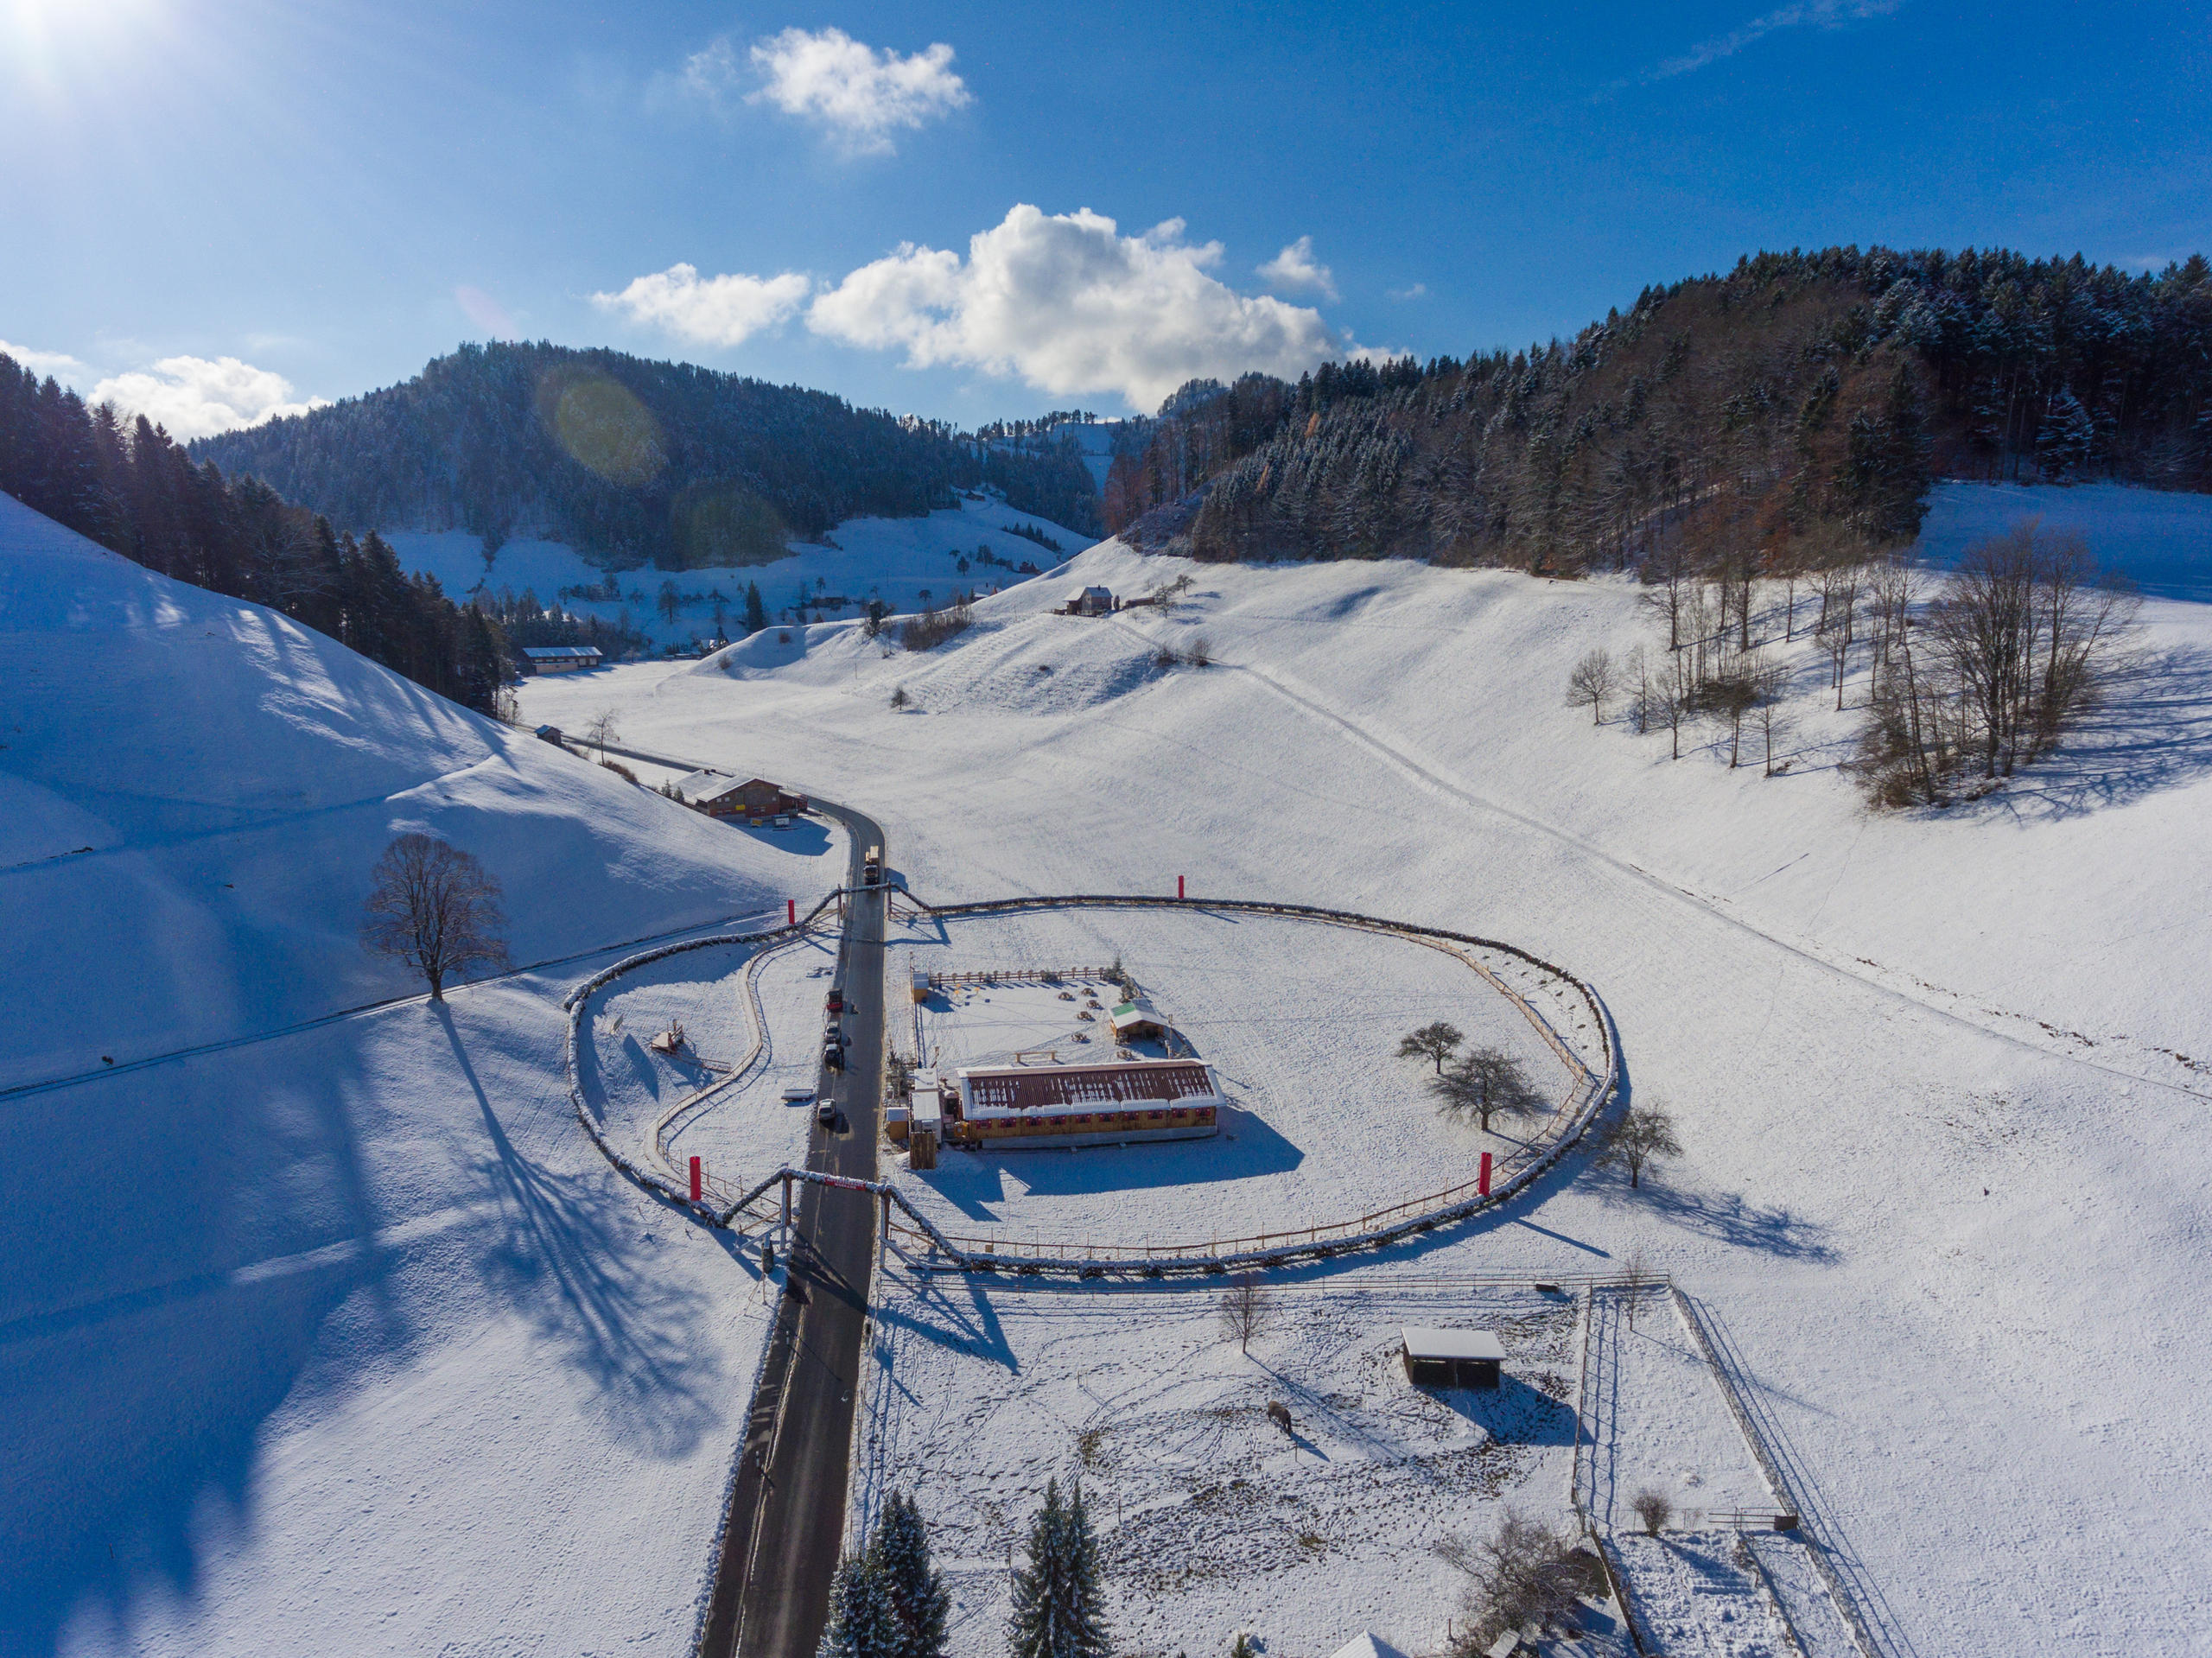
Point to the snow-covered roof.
(1427, 1342)
(1002, 1090)
(699, 784)
(1367, 1644)
(1138, 1012)
(562, 653)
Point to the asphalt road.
(787, 1519)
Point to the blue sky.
(216, 207)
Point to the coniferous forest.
(126, 486)
(1795, 409)
(632, 462)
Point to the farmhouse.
(720, 795)
(1089, 601)
(1451, 1358)
(560, 658)
(1008, 1107)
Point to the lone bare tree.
(1244, 1310)
(435, 908)
(1642, 1134)
(603, 730)
(1591, 682)
(1434, 1041)
(1526, 1575)
(1485, 1083)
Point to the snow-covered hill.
(343, 1339)
(908, 563)
(1941, 1077)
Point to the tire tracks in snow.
(1437, 783)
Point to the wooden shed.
(1452, 1358)
(1138, 1020)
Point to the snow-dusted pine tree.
(898, 1553)
(862, 1622)
(1058, 1611)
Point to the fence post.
(1482, 1179)
(1178, 887)
(698, 1180)
(787, 1204)
(883, 1236)
(790, 912)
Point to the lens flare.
(601, 425)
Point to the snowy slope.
(346, 1330)
(1940, 1077)
(896, 560)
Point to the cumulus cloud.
(720, 311)
(1296, 269)
(59, 364)
(195, 397)
(1070, 305)
(861, 94)
(1816, 14)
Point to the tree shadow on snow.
(563, 1255)
(2150, 730)
(1727, 1217)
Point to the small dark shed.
(1452, 1358)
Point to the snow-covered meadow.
(1938, 1074)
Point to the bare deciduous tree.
(1653, 1509)
(603, 729)
(1526, 1575)
(1640, 1135)
(1436, 1040)
(435, 907)
(1244, 1310)
(1485, 1083)
(1591, 682)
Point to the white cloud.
(861, 94)
(720, 311)
(59, 364)
(1296, 269)
(194, 397)
(1416, 291)
(1070, 305)
(1817, 14)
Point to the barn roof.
(1051, 1088)
(1367, 1644)
(562, 653)
(1427, 1342)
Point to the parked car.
(833, 1055)
(826, 1113)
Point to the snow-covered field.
(1938, 1076)
(1212, 1518)
(1301, 1021)
(909, 563)
(339, 1338)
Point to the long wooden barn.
(1012, 1106)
